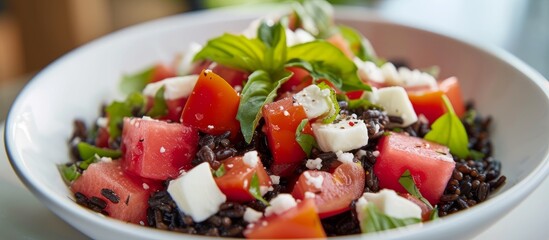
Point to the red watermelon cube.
(430, 164)
(157, 149)
(132, 193)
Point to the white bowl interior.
(40, 122)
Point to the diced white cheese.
(345, 134)
(196, 193)
(298, 37)
(371, 96)
(315, 101)
(251, 215)
(314, 164)
(314, 181)
(309, 195)
(186, 65)
(390, 203)
(280, 204)
(345, 157)
(275, 179)
(174, 88)
(250, 158)
(102, 122)
(395, 101)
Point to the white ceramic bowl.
(40, 121)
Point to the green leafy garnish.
(407, 181)
(434, 214)
(134, 103)
(255, 190)
(376, 221)
(87, 151)
(315, 17)
(334, 110)
(220, 171)
(159, 108)
(274, 40)
(136, 82)
(306, 141)
(476, 155)
(448, 130)
(360, 46)
(328, 62)
(235, 51)
(258, 91)
(69, 173)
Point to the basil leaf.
(87, 151)
(434, 214)
(234, 51)
(407, 181)
(306, 141)
(69, 173)
(255, 189)
(376, 221)
(136, 82)
(329, 62)
(87, 162)
(220, 171)
(315, 17)
(360, 46)
(159, 107)
(118, 110)
(258, 91)
(334, 111)
(448, 130)
(274, 39)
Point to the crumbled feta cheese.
(162, 149)
(286, 113)
(275, 179)
(105, 159)
(174, 88)
(251, 215)
(395, 101)
(210, 126)
(345, 134)
(141, 223)
(314, 181)
(102, 122)
(309, 195)
(186, 65)
(375, 153)
(345, 157)
(145, 186)
(280, 204)
(298, 36)
(369, 70)
(200, 201)
(315, 102)
(314, 164)
(390, 203)
(251, 159)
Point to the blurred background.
(33, 33)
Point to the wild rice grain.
(110, 195)
(98, 202)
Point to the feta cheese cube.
(314, 164)
(368, 70)
(344, 134)
(251, 215)
(298, 36)
(174, 88)
(315, 101)
(250, 159)
(395, 101)
(186, 65)
(196, 193)
(389, 203)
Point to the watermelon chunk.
(430, 164)
(156, 149)
(133, 193)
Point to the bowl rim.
(514, 194)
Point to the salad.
(293, 128)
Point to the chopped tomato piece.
(212, 106)
(430, 103)
(235, 183)
(102, 138)
(430, 164)
(337, 191)
(161, 72)
(299, 222)
(234, 77)
(281, 121)
(299, 77)
(175, 107)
